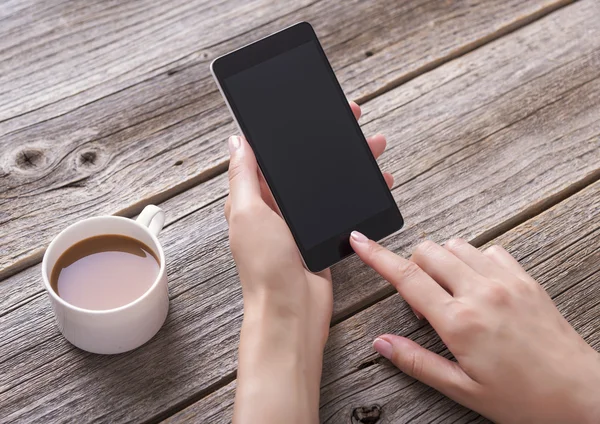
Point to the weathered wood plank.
(560, 247)
(102, 43)
(11, 9)
(196, 348)
(92, 36)
(96, 115)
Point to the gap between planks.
(135, 208)
(192, 399)
(467, 48)
(128, 212)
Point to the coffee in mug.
(107, 282)
(104, 272)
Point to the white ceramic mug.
(120, 329)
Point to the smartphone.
(288, 103)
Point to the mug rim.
(64, 303)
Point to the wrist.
(267, 303)
(269, 332)
(276, 362)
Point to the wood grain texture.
(76, 47)
(98, 99)
(414, 143)
(72, 48)
(560, 248)
(483, 133)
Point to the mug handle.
(152, 217)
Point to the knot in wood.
(366, 414)
(30, 159)
(88, 158)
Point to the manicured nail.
(383, 347)
(234, 143)
(358, 237)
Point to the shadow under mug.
(126, 327)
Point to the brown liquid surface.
(104, 272)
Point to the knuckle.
(493, 250)
(375, 250)
(236, 217)
(408, 269)
(412, 364)
(241, 216)
(495, 293)
(462, 321)
(235, 169)
(526, 287)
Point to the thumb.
(430, 368)
(244, 185)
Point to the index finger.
(421, 291)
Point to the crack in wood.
(192, 399)
(369, 363)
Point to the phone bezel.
(337, 247)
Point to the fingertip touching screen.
(313, 155)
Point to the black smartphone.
(290, 107)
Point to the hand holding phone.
(287, 309)
(310, 149)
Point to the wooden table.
(492, 113)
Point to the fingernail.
(383, 347)
(234, 143)
(358, 237)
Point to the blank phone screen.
(313, 155)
